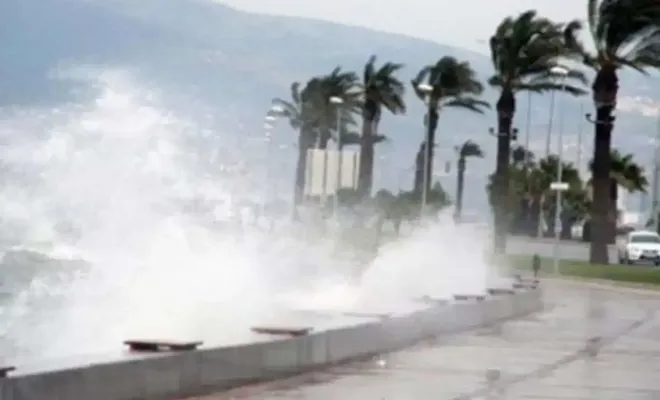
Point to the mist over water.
(119, 214)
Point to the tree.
(625, 173)
(451, 84)
(623, 33)
(467, 150)
(311, 113)
(333, 117)
(543, 175)
(380, 89)
(523, 52)
(303, 115)
(530, 194)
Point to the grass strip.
(643, 274)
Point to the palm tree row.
(526, 52)
(531, 196)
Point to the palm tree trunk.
(324, 138)
(605, 89)
(419, 171)
(505, 110)
(600, 206)
(614, 212)
(305, 142)
(430, 144)
(460, 177)
(366, 168)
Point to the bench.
(466, 297)
(4, 371)
(525, 285)
(500, 291)
(365, 315)
(281, 331)
(161, 345)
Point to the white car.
(640, 247)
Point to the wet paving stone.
(545, 356)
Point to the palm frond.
(470, 149)
(420, 79)
(543, 87)
(354, 138)
(524, 50)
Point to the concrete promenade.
(540, 357)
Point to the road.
(540, 357)
(545, 248)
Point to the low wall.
(176, 375)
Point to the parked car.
(640, 247)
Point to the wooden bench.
(4, 371)
(500, 291)
(161, 345)
(466, 297)
(281, 331)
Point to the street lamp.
(426, 90)
(559, 186)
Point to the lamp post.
(426, 89)
(578, 160)
(338, 102)
(559, 186)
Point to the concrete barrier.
(176, 375)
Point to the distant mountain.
(236, 62)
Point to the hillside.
(236, 62)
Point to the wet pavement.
(545, 356)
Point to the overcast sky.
(463, 23)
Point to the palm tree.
(543, 175)
(343, 85)
(303, 117)
(466, 150)
(624, 173)
(310, 112)
(624, 33)
(529, 189)
(523, 51)
(380, 89)
(447, 83)
(520, 156)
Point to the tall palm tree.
(623, 33)
(523, 51)
(380, 88)
(467, 150)
(303, 117)
(452, 84)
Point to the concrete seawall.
(176, 375)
